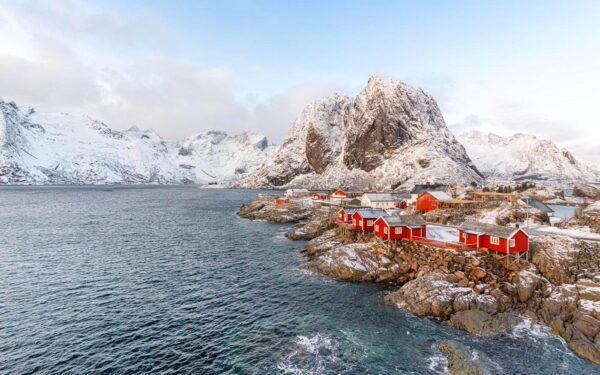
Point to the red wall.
(426, 202)
(361, 223)
(416, 232)
(521, 242)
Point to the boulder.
(430, 294)
(481, 323)
(555, 257)
(462, 361)
(526, 281)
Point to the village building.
(345, 214)
(378, 200)
(321, 196)
(432, 200)
(346, 193)
(365, 219)
(494, 237)
(297, 193)
(536, 204)
(420, 189)
(490, 196)
(350, 202)
(281, 200)
(399, 227)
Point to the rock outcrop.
(463, 361)
(391, 134)
(265, 209)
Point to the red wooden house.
(398, 227)
(365, 219)
(430, 200)
(320, 196)
(281, 200)
(350, 193)
(494, 237)
(344, 214)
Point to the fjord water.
(170, 280)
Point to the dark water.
(169, 280)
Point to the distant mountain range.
(391, 135)
(523, 157)
(41, 148)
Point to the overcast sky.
(182, 67)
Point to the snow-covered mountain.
(42, 148)
(524, 157)
(389, 135)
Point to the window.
(385, 230)
(464, 235)
(398, 230)
(376, 227)
(512, 243)
(495, 240)
(369, 222)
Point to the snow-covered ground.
(581, 233)
(442, 233)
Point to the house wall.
(426, 202)
(521, 242)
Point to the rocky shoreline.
(470, 290)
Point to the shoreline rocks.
(463, 361)
(469, 290)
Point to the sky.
(182, 67)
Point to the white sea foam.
(438, 361)
(311, 355)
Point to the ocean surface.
(169, 280)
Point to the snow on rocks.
(390, 134)
(58, 148)
(524, 157)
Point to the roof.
(401, 196)
(440, 195)
(372, 214)
(496, 230)
(351, 210)
(380, 197)
(406, 220)
(350, 191)
(421, 188)
(537, 204)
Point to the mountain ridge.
(390, 134)
(58, 148)
(523, 156)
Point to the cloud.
(276, 115)
(56, 79)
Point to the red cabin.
(320, 196)
(429, 200)
(365, 219)
(398, 227)
(345, 214)
(494, 237)
(341, 193)
(281, 200)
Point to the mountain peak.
(389, 126)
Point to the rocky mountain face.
(524, 157)
(41, 148)
(389, 135)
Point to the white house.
(297, 193)
(378, 200)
